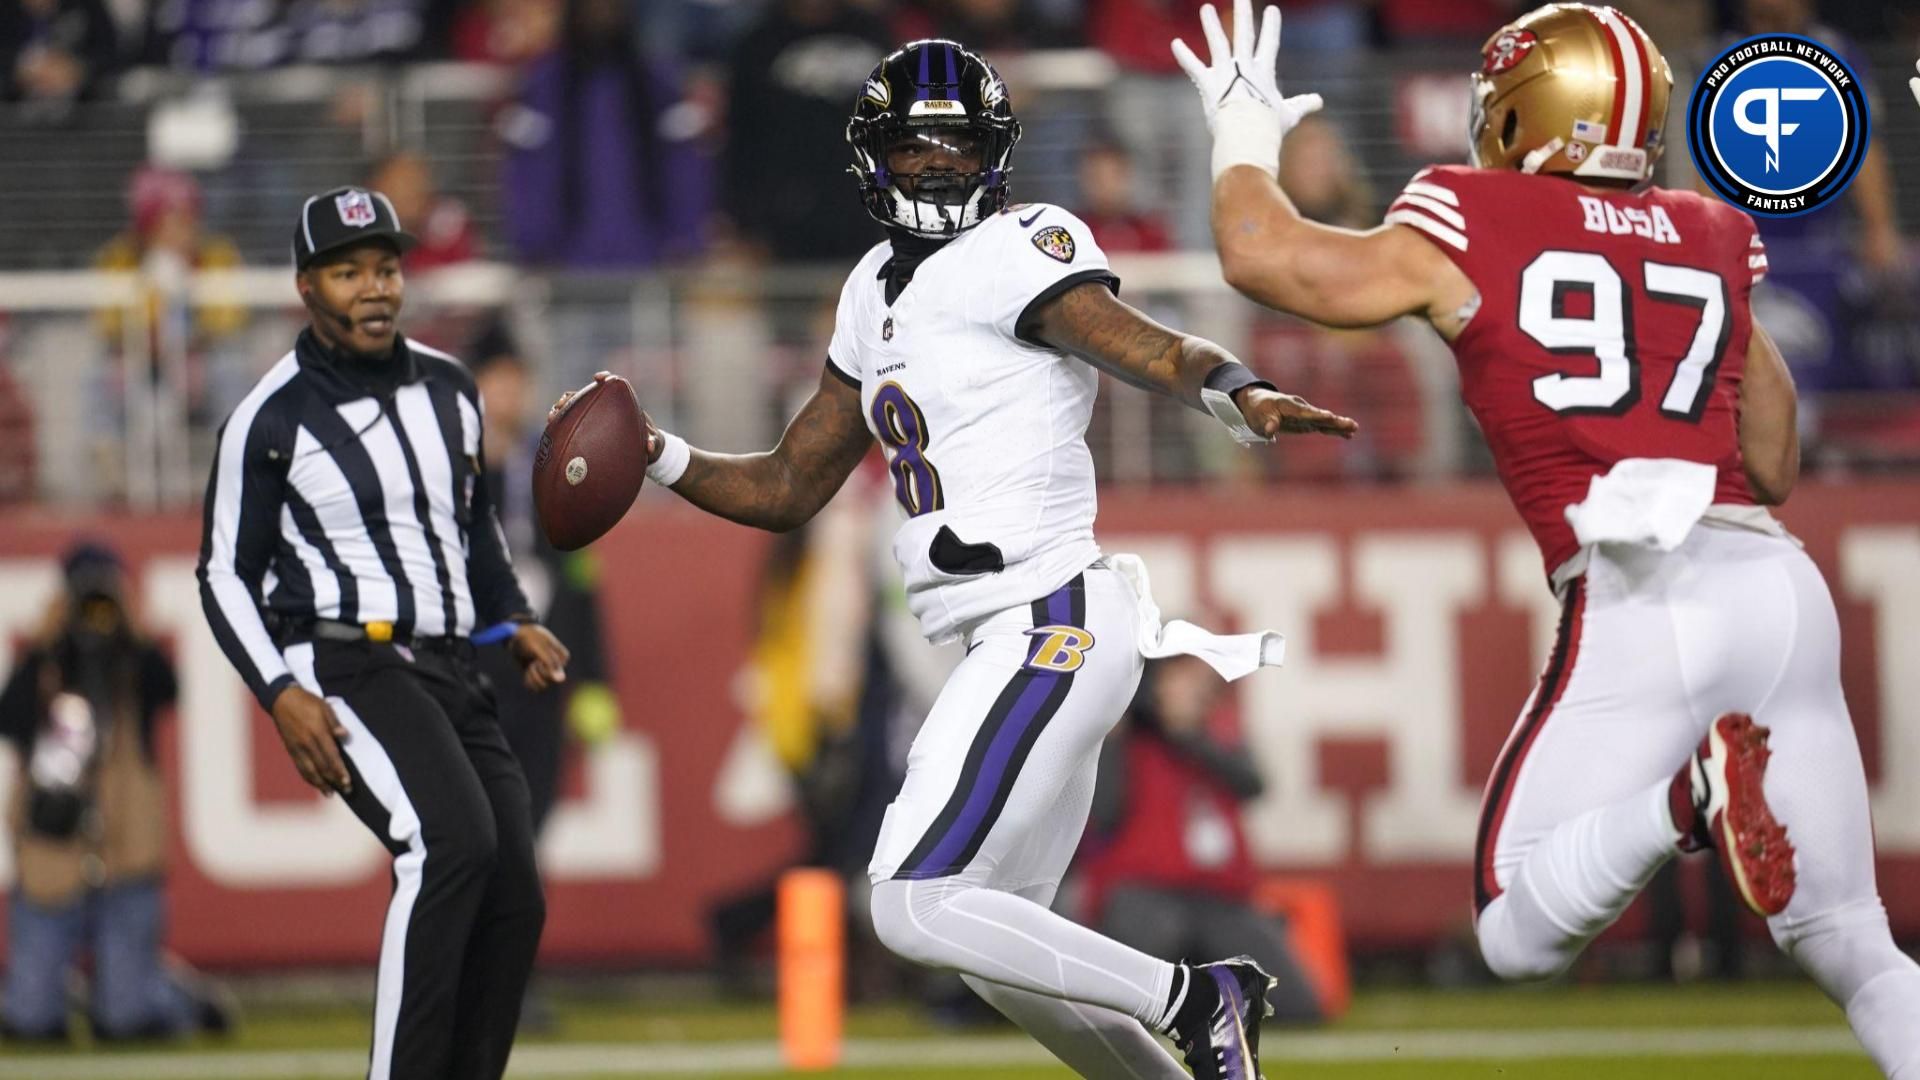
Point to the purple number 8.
(903, 431)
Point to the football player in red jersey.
(1641, 423)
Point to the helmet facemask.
(933, 180)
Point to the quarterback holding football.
(970, 345)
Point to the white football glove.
(1239, 89)
(1915, 83)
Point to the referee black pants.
(434, 780)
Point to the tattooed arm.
(1089, 322)
(783, 488)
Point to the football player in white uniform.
(967, 345)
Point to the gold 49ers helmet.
(1574, 89)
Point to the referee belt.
(380, 633)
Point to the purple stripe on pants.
(993, 768)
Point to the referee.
(349, 553)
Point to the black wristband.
(274, 689)
(1233, 376)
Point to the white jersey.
(984, 431)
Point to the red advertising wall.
(1416, 620)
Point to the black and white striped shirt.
(351, 491)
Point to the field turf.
(1763, 1031)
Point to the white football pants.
(1652, 648)
(999, 783)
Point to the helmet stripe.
(926, 54)
(1640, 47)
(953, 77)
(1619, 83)
(1629, 101)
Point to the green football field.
(1766, 1031)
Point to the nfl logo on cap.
(356, 209)
(358, 216)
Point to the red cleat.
(1729, 813)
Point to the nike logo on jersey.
(1035, 216)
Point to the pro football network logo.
(1778, 125)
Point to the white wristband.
(1246, 133)
(675, 455)
(1221, 405)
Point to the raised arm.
(1769, 429)
(1089, 322)
(1332, 276)
(783, 488)
(1337, 277)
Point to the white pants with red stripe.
(1652, 648)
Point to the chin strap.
(1538, 157)
(953, 219)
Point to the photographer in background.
(89, 821)
(1165, 865)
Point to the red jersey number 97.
(1606, 334)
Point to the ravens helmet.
(1574, 89)
(937, 102)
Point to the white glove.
(1915, 83)
(1240, 92)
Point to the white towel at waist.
(1232, 655)
(1654, 503)
(1649, 502)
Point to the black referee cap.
(343, 216)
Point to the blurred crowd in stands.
(623, 138)
(643, 132)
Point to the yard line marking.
(559, 1061)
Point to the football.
(590, 464)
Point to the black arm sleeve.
(496, 591)
(240, 530)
